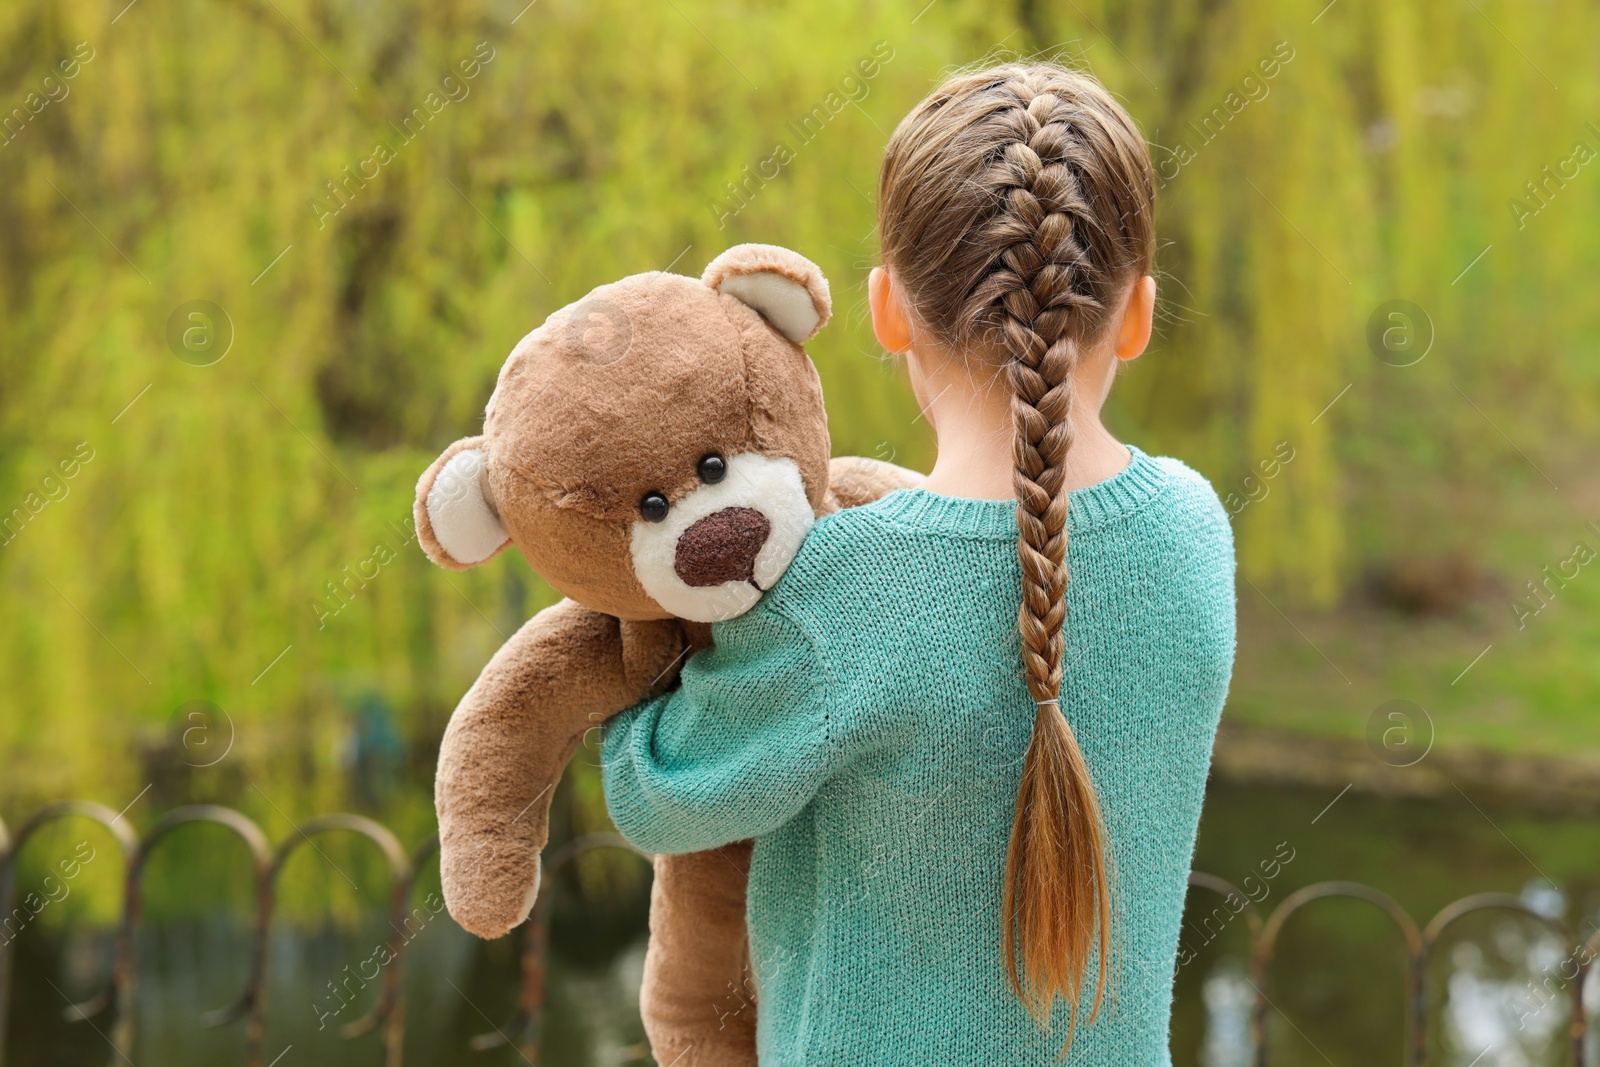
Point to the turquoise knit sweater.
(866, 724)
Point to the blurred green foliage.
(382, 198)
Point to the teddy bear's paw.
(486, 893)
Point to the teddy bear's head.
(657, 449)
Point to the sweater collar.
(1106, 501)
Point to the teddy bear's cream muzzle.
(723, 545)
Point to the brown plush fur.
(581, 426)
(571, 445)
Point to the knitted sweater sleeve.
(741, 746)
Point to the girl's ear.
(1138, 319)
(786, 288)
(456, 523)
(888, 318)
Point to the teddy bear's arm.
(856, 480)
(566, 671)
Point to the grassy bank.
(1502, 668)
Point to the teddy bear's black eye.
(653, 507)
(713, 469)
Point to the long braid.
(1016, 203)
(1057, 829)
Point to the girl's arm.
(756, 727)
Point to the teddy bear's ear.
(785, 287)
(456, 523)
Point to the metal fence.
(387, 1015)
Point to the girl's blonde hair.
(1015, 206)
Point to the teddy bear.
(657, 452)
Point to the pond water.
(1336, 985)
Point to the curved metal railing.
(1419, 946)
(388, 1013)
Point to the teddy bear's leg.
(698, 999)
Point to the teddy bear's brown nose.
(721, 547)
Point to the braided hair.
(1015, 206)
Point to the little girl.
(973, 823)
